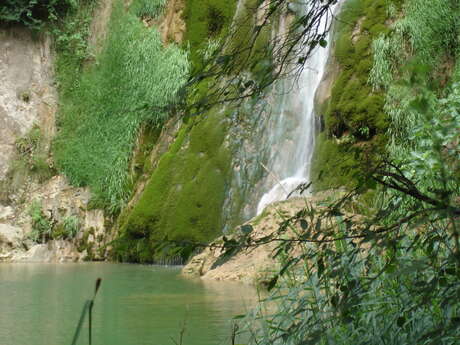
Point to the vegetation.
(41, 225)
(184, 197)
(35, 13)
(33, 156)
(206, 19)
(102, 110)
(423, 115)
(31, 163)
(355, 121)
(45, 228)
(390, 277)
(68, 229)
(148, 8)
(365, 281)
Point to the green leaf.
(303, 224)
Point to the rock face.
(171, 24)
(28, 102)
(27, 95)
(252, 265)
(51, 252)
(255, 264)
(10, 237)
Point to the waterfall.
(292, 131)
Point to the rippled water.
(40, 304)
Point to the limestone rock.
(253, 265)
(10, 237)
(51, 252)
(27, 96)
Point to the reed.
(87, 309)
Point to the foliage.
(419, 100)
(396, 287)
(427, 34)
(32, 156)
(184, 196)
(71, 42)
(428, 31)
(388, 278)
(148, 8)
(41, 225)
(103, 109)
(67, 229)
(34, 13)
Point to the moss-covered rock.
(206, 19)
(354, 119)
(184, 197)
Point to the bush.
(68, 229)
(34, 13)
(41, 224)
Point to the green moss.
(354, 111)
(206, 19)
(184, 197)
(334, 165)
(148, 137)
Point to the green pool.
(40, 304)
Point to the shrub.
(67, 229)
(34, 13)
(41, 224)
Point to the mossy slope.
(206, 19)
(184, 197)
(355, 122)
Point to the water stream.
(292, 130)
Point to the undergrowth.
(148, 8)
(133, 81)
(422, 49)
(35, 14)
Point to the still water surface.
(40, 304)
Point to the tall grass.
(419, 102)
(134, 80)
(428, 30)
(148, 8)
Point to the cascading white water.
(293, 132)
